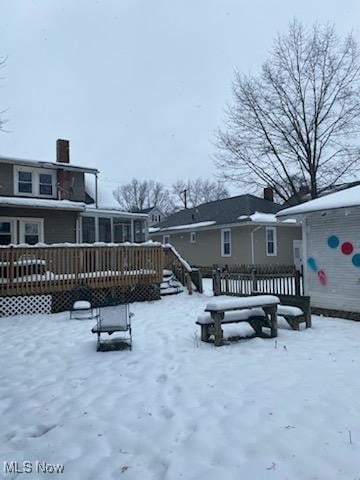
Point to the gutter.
(168, 230)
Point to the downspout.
(78, 235)
(304, 255)
(252, 243)
(96, 190)
(132, 231)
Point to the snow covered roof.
(53, 165)
(344, 198)
(259, 217)
(191, 225)
(41, 203)
(233, 210)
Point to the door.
(298, 254)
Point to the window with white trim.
(31, 231)
(166, 239)
(271, 241)
(46, 184)
(25, 182)
(34, 182)
(192, 237)
(226, 242)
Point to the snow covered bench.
(296, 310)
(259, 311)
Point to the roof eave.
(169, 230)
(49, 165)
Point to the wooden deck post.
(216, 282)
(254, 280)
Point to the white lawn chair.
(113, 319)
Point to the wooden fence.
(248, 279)
(57, 268)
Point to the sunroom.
(110, 226)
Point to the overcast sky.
(139, 87)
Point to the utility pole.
(185, 197)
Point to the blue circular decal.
(312, 264)
(356, 260)
(333, 241)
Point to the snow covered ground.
(175, 408)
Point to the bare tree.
(296, 122)
(138, 195)
(198, 191)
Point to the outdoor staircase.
(170, 285)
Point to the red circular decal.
(347, 248)
(322, 277)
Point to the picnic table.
(219, 306)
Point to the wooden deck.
(56, 268)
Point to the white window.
(166, 239)
(34, 182)
(46, 184)
(25, 182)
(226, 242)
(271, 242)
(31, 230)
(192, 237)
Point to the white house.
(331, 250)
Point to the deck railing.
(188, 276)
(55, 268)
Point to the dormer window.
(34, 182)
(45, 184)
(24, 182)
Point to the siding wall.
(207, 249)
(76, 179)
(59, 226)
(6, 179)
(342, 288)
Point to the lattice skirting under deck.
(26, 304)
(61, 301)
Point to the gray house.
(156, 215)
(236, 230)
(331, 235)
(56, 202)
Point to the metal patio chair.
(82, 304)
(114, 319)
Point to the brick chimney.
(268, 194)
(63, 176)
(62, 151)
